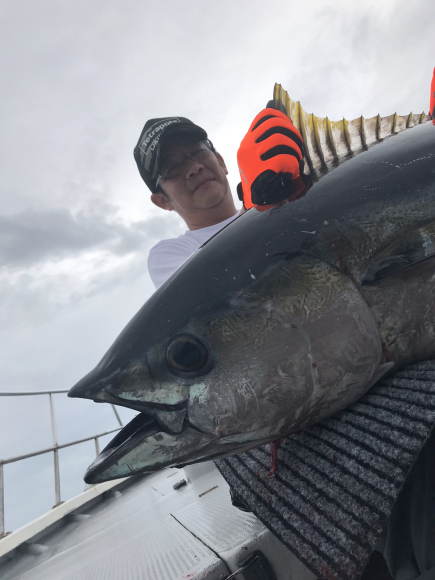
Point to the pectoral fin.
(380, 372)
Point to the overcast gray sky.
(79, 78)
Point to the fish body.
(284, 318)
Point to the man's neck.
(210, 217)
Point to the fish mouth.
(156, 410)
(149, 420)
(147, 443)
(140, 424)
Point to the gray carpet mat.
(337, 481)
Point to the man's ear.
(161, 201)
(221, 162)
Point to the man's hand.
(270, 160)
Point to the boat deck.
(145, 529)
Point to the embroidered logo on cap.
(151, 140)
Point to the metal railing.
(54, 448)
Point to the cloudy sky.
(79, 78)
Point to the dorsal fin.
(330, 143)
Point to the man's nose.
(193, 167)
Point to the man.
(187, 175)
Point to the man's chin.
(209, 194)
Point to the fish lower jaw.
(143, 447)
(145, 451)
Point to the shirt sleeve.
(164, 258)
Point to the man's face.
(200, 185)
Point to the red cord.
(273, 453)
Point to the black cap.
(147, 152)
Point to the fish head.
(203, 390)
(242, 370)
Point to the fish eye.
(186, 354)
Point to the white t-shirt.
(168, 255)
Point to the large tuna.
(284, 318)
